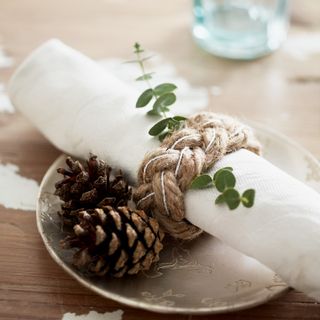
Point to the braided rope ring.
(166, 173)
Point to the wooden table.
(281, 90)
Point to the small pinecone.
(114, 241)
(89, 186)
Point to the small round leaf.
(159, 127)
(202, 181)
(232, 198)
(164, 88)
(146, 76)
(153, 113)
(165, 100)
(217, 172)
(224, 179)
(220, 199)
(179, 118)
(247, 198)
(144, 98)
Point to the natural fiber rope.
(166, 173)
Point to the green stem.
(147, 80)
(143, 70)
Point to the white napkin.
(81, 109)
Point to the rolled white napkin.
(82, 109)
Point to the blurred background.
(272, 89)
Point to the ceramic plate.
(203, 276)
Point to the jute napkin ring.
(166, 173)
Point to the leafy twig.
(163, 97)
(225, 181)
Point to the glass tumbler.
(240, 29)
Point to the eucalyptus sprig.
(225, 181)
(162, 97)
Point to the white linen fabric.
(81, 109)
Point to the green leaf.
(137, 48)
(172, 123)
(153, 113)
(232, 198)
(247, 198)
(179, 118)
(159, 127)
(146, 76)
(224, 179)
(165, 109)
(163, 135)
(144, 98)
(164, 101)
(202, 181)
(220, 199)
(225, 168)
(164, 88)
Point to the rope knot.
(166, 173)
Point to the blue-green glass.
(240, 29)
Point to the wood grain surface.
(281, 91)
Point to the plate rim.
(241, 305)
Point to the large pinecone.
(111, 238)
(89, 186)
(114, 241)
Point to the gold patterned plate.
(203, 276)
